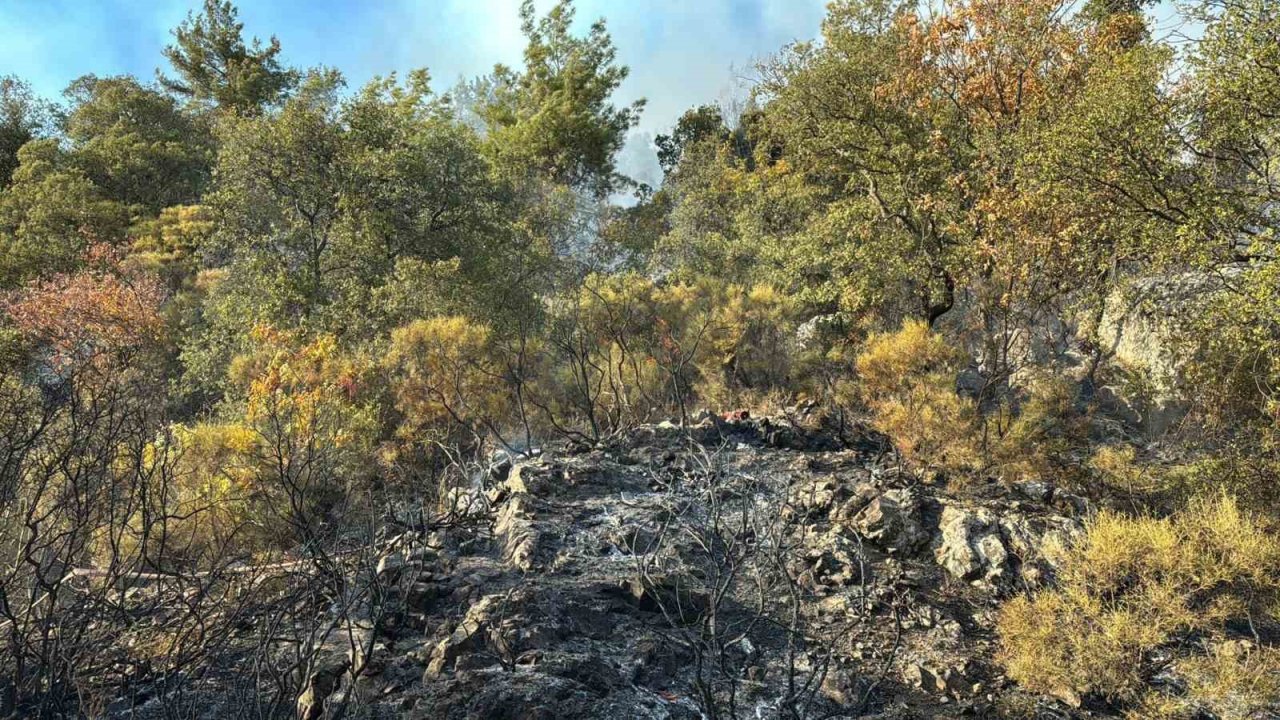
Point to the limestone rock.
(970, 546)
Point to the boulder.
(467, 637)
(320, 685)
(970, 546)
(891, 522)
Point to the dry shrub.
(1181, 585)
(213, 491)
(624, 349)
(294, 446)
(750, 354)
(445, 379)
(1046, 436)
(908, 382)
(1115, 468)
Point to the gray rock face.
(970, 547)
(977, 546)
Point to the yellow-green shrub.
(623, 349)
(1134, 585)
(749, 351)
(1115, 468)
(1039, 439)
(217, 479)
(907, 380)
(1233, 680)
(300, 435)
(169, 243)
(445, 380)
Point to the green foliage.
(699, 125)
(23, 117)
(322, 199)
(553, 118)
(134, 144)
(50, 214)
(216, 67)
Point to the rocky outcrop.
(979, 546)
(620, 581)
(970, 547)
(319, 687)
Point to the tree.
(280, 183)
(135, 144)
(216, 67)
(23, 117)
(325, 209)
(696, 125)
(99, 315)
(326, 198)
(50, 214)
(553, 118)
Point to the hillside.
(325, 400)
(776, 569)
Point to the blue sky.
(681, 52)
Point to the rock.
(1035, 490)
(390, 565)
(922, 678)
(813, 499)
(553, 605)
(970, 546)
(1039, 544)
(818, 331)
(890, 521)
(533, 477)
(977, 546)
(515, 529)
(834, 560)
(863, 493)
(948, 681)
(465, 638)
(842, 687)
(320, 685)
